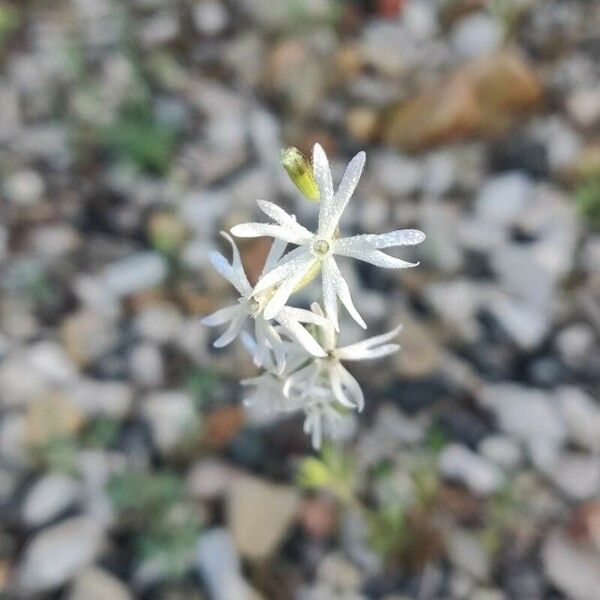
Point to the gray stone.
(135, 273)
(171, 416)
(573, 570)
(259, 515)
(210, 17)
(159, 323)
(583, 106)
(58, 553)
(467, 552)
(49, 497)
(219, 566)
(475, 35)
(477, 473)
(102, 398)
(19, 383)
(504, 197)
(52, 363)
(146, 366)
(576, 475)
(398, 174)
(209, 479)
(14, 447)
(574, 343)
(24, 188)
(94, 583)
(582, 417)
(502, 450)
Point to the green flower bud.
(300, 171)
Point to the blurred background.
(132, 132)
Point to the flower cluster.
(303, 367)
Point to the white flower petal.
(345, 388)
(222, 315)
(289, 263)
(398, 237)
(303, 379)
(302, 315)
(330, 213)
(231, 333)
(277, 347)
(262, 349)
(363, 349)
(283, 218)
(372, 353)
(334, 284)
(275, 253)
(322, 173)
(361, 248)
(252, 230)
(304, 338)
(286, 287)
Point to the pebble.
(146, 365)
(503, 198)
(135, 273)
(466, 551)
(209, 479)
(477, 473)
(87, 336)
(583, 107)
(159, 323)
(171, 416)
(102, 398)
(573, 570)
(502, 450)
(582, 417)
(24, 188)
(219, 566)
(50, 496)
(94, 583)
(475, 35)
(58, 553)
(398, 174)
(574, 343)
(210, 17)
(259, 515)
(576, 475)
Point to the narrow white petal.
(242, 284)
(234, 276)
(275, 253)
(361, 248)
(333, 278)
(360, 350)
(277, 346)
(300, 378)
(284, 219)
(345, 388)
(290, 262)
(371, 353)
(399, 237)
(231, 333)
(286, 287)
(322, 174)
(329, 216)
(222, 315)
(252, 230)
(304, 338)
(302, 315)
(262, 349)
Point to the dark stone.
(414, 395)
(522, 153)
(462, 425)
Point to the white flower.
(322, 417)
(329, 372)
(251, 305)
(322, 246)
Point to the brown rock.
(319, 516)
(222, 425)
(482, 97)
(50, 417)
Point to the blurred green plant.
(587, 197)
(101, 432)
(138, 139)
(9, 21)
(501, 515)
(154, 508)
(201, 383)
(58, 454)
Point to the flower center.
(321, 248)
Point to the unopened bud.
(300, 171)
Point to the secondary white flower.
(330, 372)
(322, 417)
(322, 246)
(251, 305)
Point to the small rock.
(475, 35)
(13, 439)
(339, 574)
(502, 450)
(135, 273)
(583, 107)
(209, 479)
(102, 398)
(576, 475)
(466, 551)
(319, 517)
(582, 417)
(478, 474)
(159, 323)
(398, 174)
(87, 336)
(259, 515)
(504, 197)
(19, 383)
(52, 242)
(219, 566)
(574, 343)
(49, 497)
(50, 360)
(58, 553)
(94, 583)
(146, 366)
(24, 187)
(158, 29)
(171, 415)
(51, 416)
(210, 17)
(573, 570)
